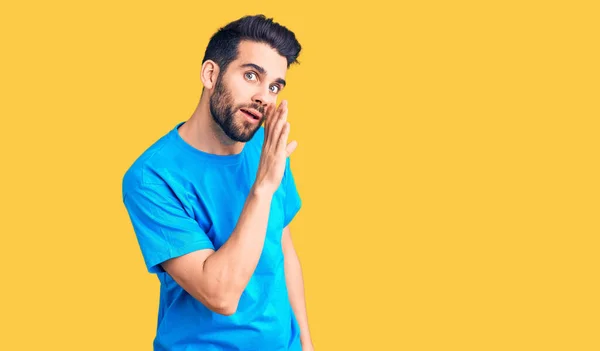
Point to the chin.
(249, 133)
(242, 137)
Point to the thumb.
(290, 148)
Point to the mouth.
(255, 115)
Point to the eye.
(276, 87)
(250, 75)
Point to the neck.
(203, 133)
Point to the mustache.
(259, 108)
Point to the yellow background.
(448, 162)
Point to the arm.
(295, 283)
(218, 278)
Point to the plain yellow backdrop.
(448, 162)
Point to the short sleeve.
(163, 228)
(293, 202)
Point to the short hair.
(223, 45)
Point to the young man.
(211, 202)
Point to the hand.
(275, 149)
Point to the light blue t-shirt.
(181, 199)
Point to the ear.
(209, 73)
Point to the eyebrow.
(263, 72)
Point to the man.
(211, 202)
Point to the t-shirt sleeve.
(163, 228)
(293, 202)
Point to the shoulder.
(146, 169)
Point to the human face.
(243, 92)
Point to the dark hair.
(223, 45)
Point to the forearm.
(230, 267)
(296, 293)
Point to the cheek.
(241, 94)
(242, 91)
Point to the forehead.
(263, 55)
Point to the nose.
(262, 97)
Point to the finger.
(290, 148)
(281, 143)
(266, 116)
(269, 112)
(279, 124)
(275, 117)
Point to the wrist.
(261, 191)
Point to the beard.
(223, 113)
